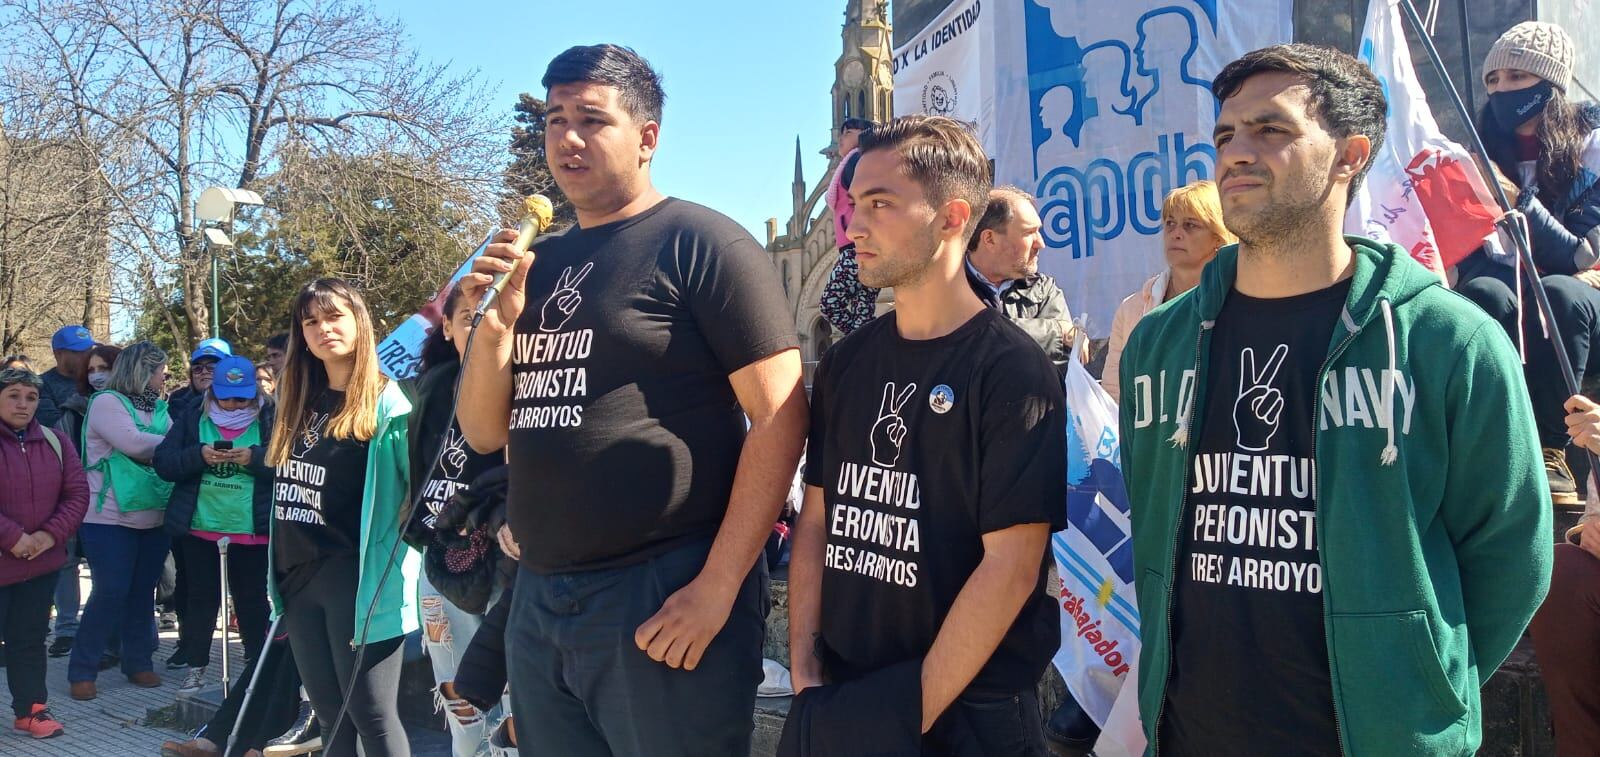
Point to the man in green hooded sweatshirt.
(1336, 543)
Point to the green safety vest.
(137, 486)
(226, 503)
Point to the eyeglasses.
(203, 368)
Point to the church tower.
(806, 249)
(863, 84)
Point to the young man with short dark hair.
(618, 371)
(277, 352)
(935, 474)
(1340, 517)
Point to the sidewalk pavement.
(127, 720)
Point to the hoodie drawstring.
(1180, 438)
(1391, 452)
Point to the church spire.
(797, 222)
(799, 172)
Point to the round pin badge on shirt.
(941, 399)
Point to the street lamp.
(216, 206)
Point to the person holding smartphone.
(215, 457)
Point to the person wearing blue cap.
(215, 457)
(187, 401)
(70, 345)
(202, 369)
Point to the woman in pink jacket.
(1192, 232)
(41, 505)
(122, 535)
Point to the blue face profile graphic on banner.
(1089, 94)
(1168, 39)
(1097, 498)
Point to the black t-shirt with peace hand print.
(625, 431)
(1250, 659)
(458, 467)
(921, 447)
(316, 498)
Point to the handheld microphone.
(537, 214)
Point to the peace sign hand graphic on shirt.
(564, 301)
(890, 429)
(311, 436)
(1260, 406)
(454, 460)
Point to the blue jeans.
(124, 566)
(67, 600)
(447, 630)
(581, 687)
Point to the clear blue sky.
(743, 78)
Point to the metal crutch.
(250, 687)
(222, 552)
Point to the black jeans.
(247, 583)
(990, 725)
(24, 621)
(322, 619)
(1577, 314)
(273, 707)
(581, 687)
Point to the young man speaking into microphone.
(618, 368)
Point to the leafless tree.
(172, 96)
(49, 193)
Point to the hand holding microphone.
(499, 275)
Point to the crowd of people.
(1342, 475)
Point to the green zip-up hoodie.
(1432, 508)
(387, 487)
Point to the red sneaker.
(39, 724)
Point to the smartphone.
(222, 444)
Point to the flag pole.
(1514, 229)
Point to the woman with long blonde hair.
(341, 475)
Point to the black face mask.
(1515, 108)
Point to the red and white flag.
(1424, 192)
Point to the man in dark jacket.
(71, 345)
(1003, 269)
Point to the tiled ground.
(113, 724)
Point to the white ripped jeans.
(446, 632)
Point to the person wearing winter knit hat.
(1546, 155)
(1542, 49)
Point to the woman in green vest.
(122, 536)
(216, 458)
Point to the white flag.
(948, 69)
(1424, 192)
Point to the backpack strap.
(51, 439)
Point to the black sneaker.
(304, 737)
(61, 647)
(178, 661)
(1563, 488)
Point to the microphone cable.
(388, 566)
